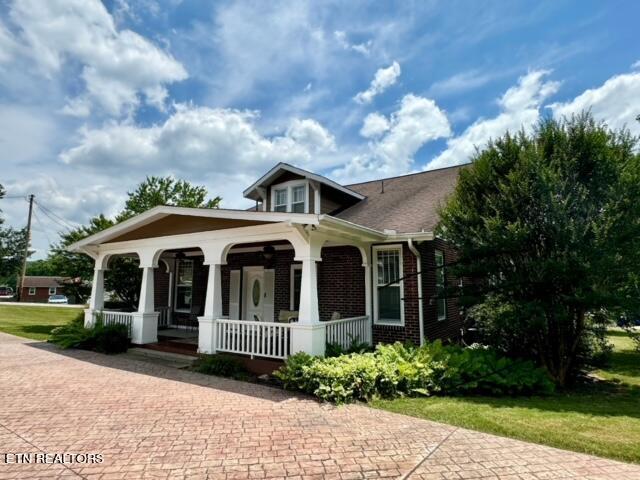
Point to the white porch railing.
(164, 316)
(110, 318)
(262, 339)
(346, 330)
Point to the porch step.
(169, 359)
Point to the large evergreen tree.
(548, 228)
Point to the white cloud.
(614, 102)
(77, 107)
(383, 79)
(202, 140)
(460, 82)
(374, 125)
(418, 121)
(118, 66)
(520, 108)
(363, 48)
(635, 65)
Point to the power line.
(50, 213)
(42, 227)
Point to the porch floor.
(175, 340)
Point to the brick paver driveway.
(156, 422)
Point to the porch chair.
(287, 316)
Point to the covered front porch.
(247, 283)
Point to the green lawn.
(602, 419)
(34, 322)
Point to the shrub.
(101, 338)
(398, 370)
(222, 366)
(110, 339)
(355, 346)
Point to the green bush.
(222, 366)
(397, 370)
(101, 338)
(355, 346)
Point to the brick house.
(312, 262)
(39, 288)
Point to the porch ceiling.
(181, 224)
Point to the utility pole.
(20, 282)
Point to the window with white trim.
(298, 198)
(184, 285)
(296, 282)
(52, 290)
(441, 279)
(388, 293)
(32, 290)
(280, 200)
(290, 196)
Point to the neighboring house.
(344, 261)
(39, 288)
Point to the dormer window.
(290, 197)
(298, 197)
(280, 200)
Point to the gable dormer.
(286, 188)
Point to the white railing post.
(256, 339)
(345, 330)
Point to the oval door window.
(255, 292)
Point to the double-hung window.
(289, 197)
(280, 200)
(298, 195)
(184, 285)
(441, 277)
(32, 290)
(52, 290)
(388, 285)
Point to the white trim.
(288, 187)
(54, 290)
(157, 213)
(294, 266)
(375, 250)
(249, 192)
(32, 291)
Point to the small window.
(280, 200)
(184, 285)
(52, 290)
(441, 280)
(32, 290)
(296, 281)
(298, 195)
(388, 292)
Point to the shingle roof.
(41, 281)
(409, 203)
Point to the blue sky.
(95, 96)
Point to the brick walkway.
(156, 422)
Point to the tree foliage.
(123, 277)
(547, 227)
(12, 244)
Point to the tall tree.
(548, 227)
(123, 276)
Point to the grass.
(601, 419)
(34, 322)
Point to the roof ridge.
(407, 175)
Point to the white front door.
(254, 294)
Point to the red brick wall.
(41, 296)
(340, 280)
(448, 329)
(411, 330)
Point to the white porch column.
(96, 301)
(212, 311)
(309, 334)
(144, 327)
